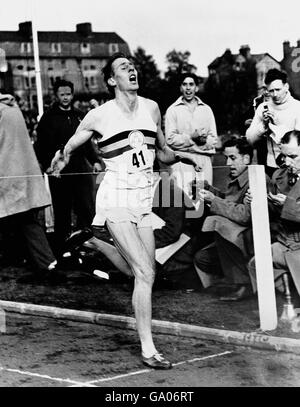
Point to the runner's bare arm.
(164, 152)
(83, 133)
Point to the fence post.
(262, 248)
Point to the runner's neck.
(127, 103)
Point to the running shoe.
(157, 361)
(76, 239)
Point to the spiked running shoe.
(76, 239)
(157, 361)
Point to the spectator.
(261, 144)
(281, 113)
(190, 126)
(178, 271)
(232, 248)
(23, 192)
(284, 201)
(70, 192)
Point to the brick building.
(291, 64)
(77, 56)
(239, 63)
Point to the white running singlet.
(127, 147)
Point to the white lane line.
(106, 379)
(42, 376)
(76, 383)
(204, 358)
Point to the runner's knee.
(144, 273)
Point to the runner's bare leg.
(137, 248)
(111, 253)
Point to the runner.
(129, 128)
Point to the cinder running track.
(44, 352)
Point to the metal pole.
(37, 67)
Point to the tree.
(178, 63)
(230, 89)
(150, 82)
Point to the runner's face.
(236, 161)
(188, 89)
(124, 76)
(64, 96)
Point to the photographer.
(284, 206)
(275, 117)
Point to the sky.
(203, 27)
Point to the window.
(90, 81)
(112, 48)
(20, 67)
(55, 47)
(18, 83)
(63, 64)
(25, 47)
(85, 48)
(93, 81)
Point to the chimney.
(84, 29)
(245, 51)
(25, 29)
(286, 48)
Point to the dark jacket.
(288, 224)
(231, 217)
(54, 130)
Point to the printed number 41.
(137, 158)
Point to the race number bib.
(138, 159)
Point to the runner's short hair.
(107, 69)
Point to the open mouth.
(132, 78)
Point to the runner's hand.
(58, 163)
(97, 168)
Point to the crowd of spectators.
(212, 213)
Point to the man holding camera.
(275, 117)
(285, 213)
